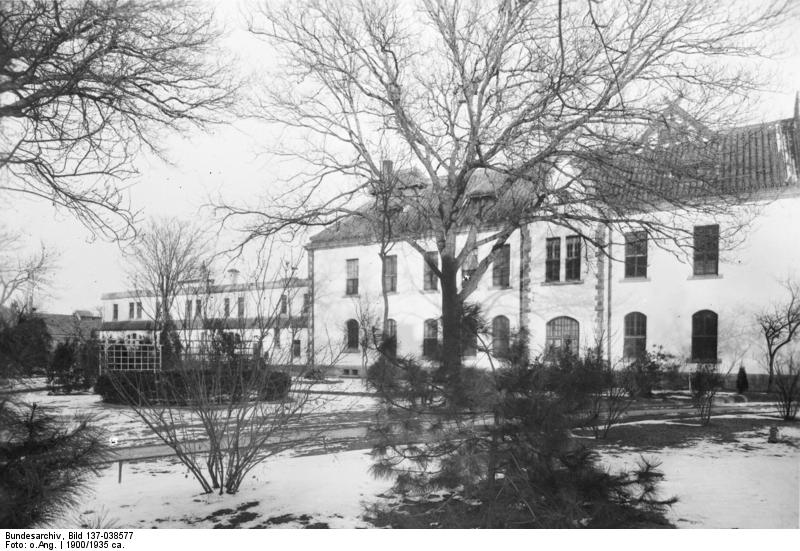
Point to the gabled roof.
(412, 212)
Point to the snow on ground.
(282, 492)
(744, 484)
(125, 428)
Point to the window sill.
(634, 279)
(706, 362)
(351, 351)
(501, 287)
(351, 296)
(705, 276)
(570, 282)
(430, 291)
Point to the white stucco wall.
(409, 306)
(752, 266)
(549, 300)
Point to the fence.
(135, 355)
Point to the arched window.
(704, 337)
(500, 338)
(430, 341)
(635, 335)
(390, 337)
(561, 334)
(352, 335)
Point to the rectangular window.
(306, 303)
(501, 267)
(284, 304)
(188, 309)
(158, 309)
(115, 312)
(430, 281)
(240, 307)
(227, 308)
(636, 254)
(352, 277)
(390, 273)
(296, 348)
(470, 266)
(430, 341)
(706, 250)
(198, 308)
(138, 310)
(572, 264)
(553, 263)
(276, 337)
(130, 310)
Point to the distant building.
(80, 325)
(265, 318)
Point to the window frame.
(390, 273)
(226, 307)
(552, 265)
(115, 312)
(430, 339)
(351, 275)
(551, 327)
(391, 333)
(634, 336)
(501, 267)
(139, 310)
(430, 282)
(706, 250)
(284, 304)
(240, 307)
(572, 258)
(198, 308)
(352, 336)
(501, 336)
(131, 310)
(702, 339)
(297, 347)
(636, 245)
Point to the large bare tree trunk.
(451, 312)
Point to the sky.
(230, 161)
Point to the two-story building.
(267, 317)
(696, 295)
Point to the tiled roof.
(735, 163)
(413, 211)
(738, 162)
(63, 326)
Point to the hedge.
(172, 386)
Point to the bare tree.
(221, 416)
(779, 326)
(787, 383)
(168, 255)
(23, 273)
(84, 85)
(551, 111)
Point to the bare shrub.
(706, 382)
(787, 389)
(213, 415)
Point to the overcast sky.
(229, 161)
